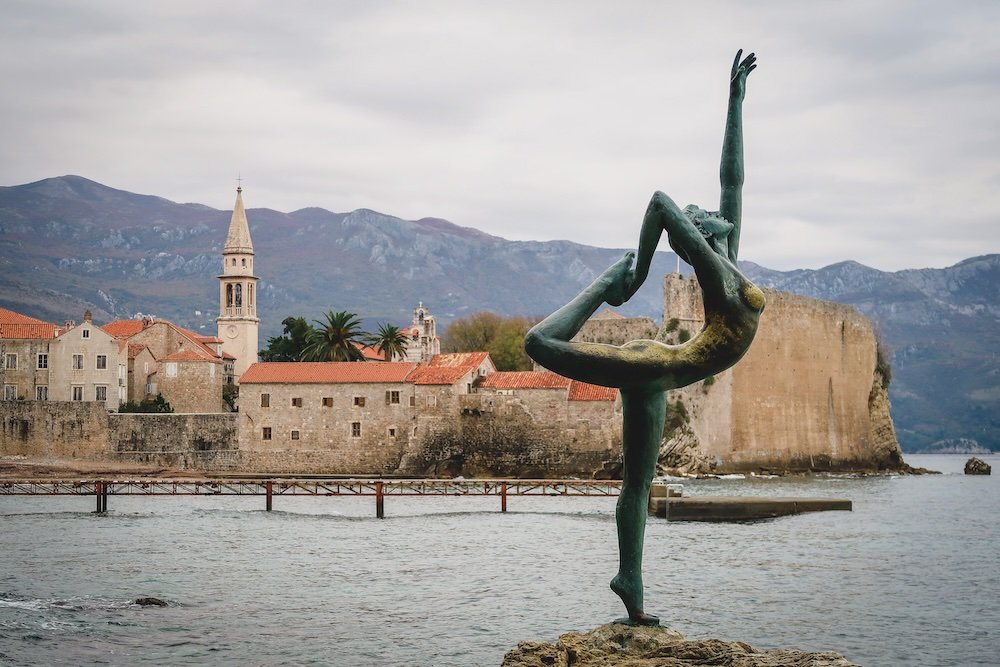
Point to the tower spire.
(238, 239)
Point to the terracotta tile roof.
(134, 349)
(467, 360)
(582, 391)
(226, 355)
(448, 368)
(371, 354)
(524, 380)
(326, 372)
(190, 355)
(123, 328)
(16, 325)
(209, 339)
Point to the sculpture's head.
(713, 227)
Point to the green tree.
(389, 340)
(502, 337)
(339, 338)
(291, 344)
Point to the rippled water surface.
(910, 577)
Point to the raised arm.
(731, 169)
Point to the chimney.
(69, 324)
(146, 321)
(88, 316)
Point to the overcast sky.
(872, 129)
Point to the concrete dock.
(739, 508)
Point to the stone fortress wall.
(807, 395)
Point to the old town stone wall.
(60, 429)
(185, 441)
(805, 396)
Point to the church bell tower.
(238, 322)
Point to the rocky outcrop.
(809, 395)
(976, 466)
(621, 645)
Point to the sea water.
(910, 577)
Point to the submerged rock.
(639, 646)
(976, 466)
(150, 602)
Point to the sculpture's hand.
(617, 281)
(740, 72)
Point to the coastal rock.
(616, 644)
(150, 602)
(976, 466)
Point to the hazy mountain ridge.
(68, 244)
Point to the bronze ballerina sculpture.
(645, 369)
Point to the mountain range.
(69, 244)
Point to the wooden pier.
(271, 487)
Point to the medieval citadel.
(808, 396)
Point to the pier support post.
(379, 501)
(503, 496)
(270, 493)
(101, 493)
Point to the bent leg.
(548, 342)
(642, 429)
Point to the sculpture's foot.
(642, 619)
(615, 280)
(629, 589)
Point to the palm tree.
(390, 341)
(337, 339)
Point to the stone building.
(163, 358)
(238, 321)
(85, 365)
(334, 417)
(24, 356)
(42, 362)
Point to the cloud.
(870, 129)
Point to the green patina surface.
(645, 369)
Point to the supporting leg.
(644, 413)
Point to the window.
(328, 401)
(41, 393)
(10, 361)
(355, 429)
(171, 369)
(413, 401)
(431, 401)
(244, 261)
(77, 362)
(101, 393)
(10, 392)
(77, 393)
(43, 361)
(296, 402)
(265, 400)
(392, 398)
(239, 294)
(295, 435)
(392, 432)
(265, 433)
(85, 333)
(102, 362)
(359, 401)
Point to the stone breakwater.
(621, 645)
